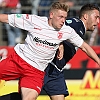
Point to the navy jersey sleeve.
(77, 25)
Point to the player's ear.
(85, 16)
(51, 14)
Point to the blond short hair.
(59, 6)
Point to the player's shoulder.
(40, 18)
(76, 24)
(67, 28)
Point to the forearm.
(4, 18)
(90, 52)
(60, 52)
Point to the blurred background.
(40, 7)
(82, 74)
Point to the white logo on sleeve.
(39, 88)
(69, 21)
(81, 32)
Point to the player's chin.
(60, 26)
(93, 28)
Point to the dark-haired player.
(54, 82)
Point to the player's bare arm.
(90, 52)
(4, 18)
(60, 52)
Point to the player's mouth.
(94, 26)
(61, 25)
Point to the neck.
(84, 23)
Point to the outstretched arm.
(4, 18)
(90, 52)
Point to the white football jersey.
(42, 40)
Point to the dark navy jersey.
(77, 25)
(54, 82)
(69, 49)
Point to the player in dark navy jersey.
(54, 82)
(54, 74)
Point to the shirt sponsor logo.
(36, 39)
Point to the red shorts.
(14, 67)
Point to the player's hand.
(60, 52)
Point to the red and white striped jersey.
(42, 40)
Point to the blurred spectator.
(82, 2)
(10, 7)
(26, 9)
(44, 6)
(72, 12)
(26, 6)
(43, 9)
(69, 2)
(35, 5)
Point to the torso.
(42, 41)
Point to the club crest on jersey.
(27, 16)
(59, 35)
